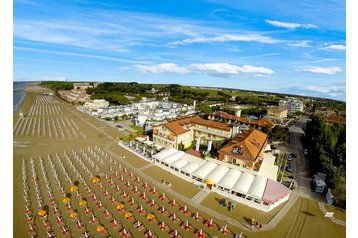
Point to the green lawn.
(179, 185)
(339, 213)
(241, 213)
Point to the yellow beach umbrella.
(73, 215)
(82, 203)
(128, 214)
(42, 212)
(100, 228)
(150, 216)
(209, 181)
(120, 206)
(73, 188)
(96, 180)
(66, 200)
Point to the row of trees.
(55, 85)
(112, 97)
(277, 133)
(327, 146)
(257, 101)
(133, 87)
(254, 111)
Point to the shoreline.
(23, 97)
(19, 104)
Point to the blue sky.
(287, 46)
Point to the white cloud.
(210, 68)
(289, 25)
(331, 90)
(304, 43)
(321, 70)
(227, 37)
(336, 47)
(161, 68)
(254, 69)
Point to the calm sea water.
(18, 94)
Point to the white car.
(305, 151)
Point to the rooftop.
(335, 118)
(246, 145)
(182, 125)
(262, 122)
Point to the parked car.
(289, 157)
(305, 151)
(293, 155)
(289, 168)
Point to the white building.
(292, 105)
(254, 190)
(96, 104)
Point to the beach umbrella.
(96, 180)
(128, 214)
(120, 206)
(42, 213)
(66, 200)
(73, 215)
(73, 188)
(82, 203)
(100, 228)
(150, 216)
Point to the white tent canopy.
(173, 157)
(179, 163)
(164, 153)
(190, 167)
(243, 183)
(257, 187)
(229, 179)
(204, 170)
(217, 174)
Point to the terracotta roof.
(263, 122)
(178, 126)
(182, 125)
(194, 153)
(209, 123)
(246, 146)
(335, 118)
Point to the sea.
(18, 94)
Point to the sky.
(294, 47)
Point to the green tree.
(205, 108)
(181, 146)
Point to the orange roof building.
(185, 130)
(244, 149)
(335, 119)
(224, 116)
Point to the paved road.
(301, 164)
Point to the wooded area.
(327, 147)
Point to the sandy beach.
(52, 126)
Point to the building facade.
(277, 113)
(292, 105)
(96, 104)
(245, 150)
(186, 130)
